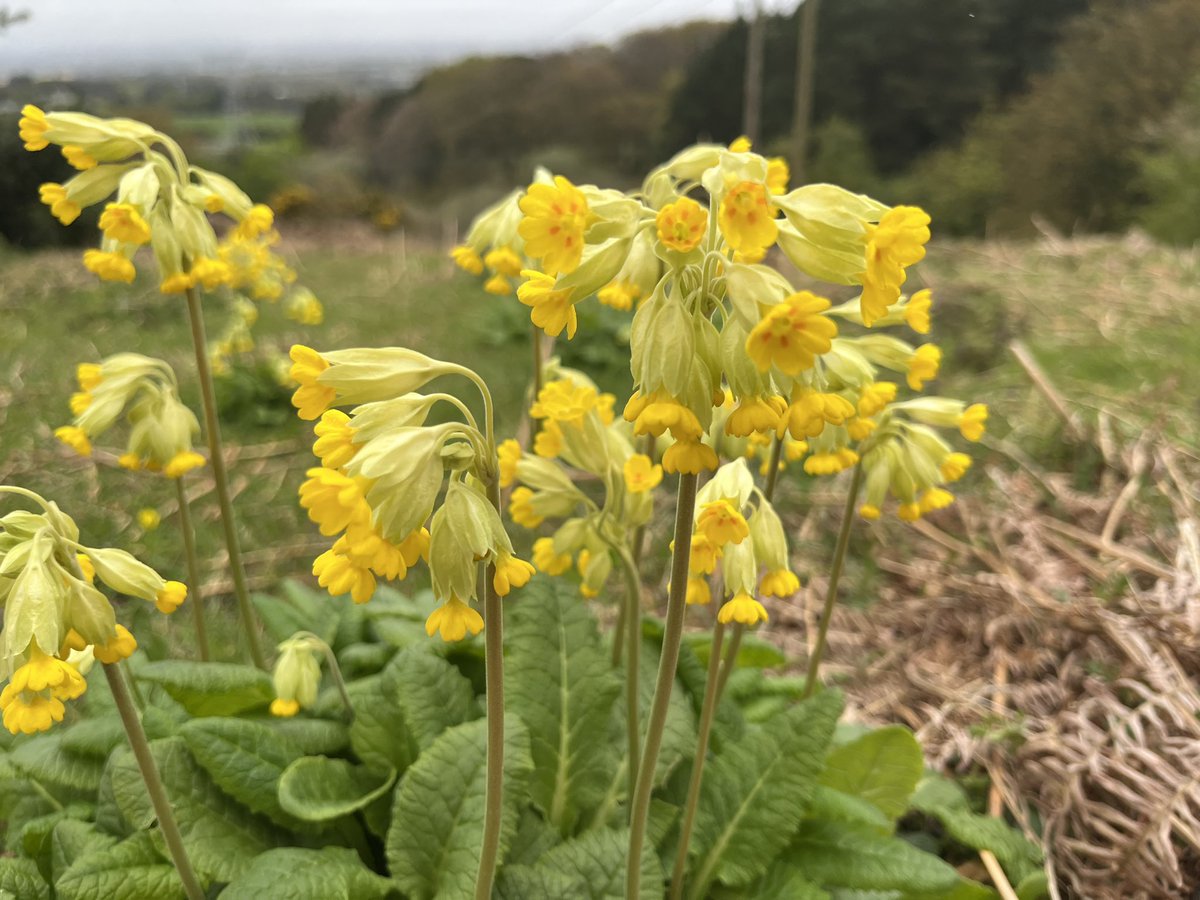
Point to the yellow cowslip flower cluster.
(154, 196)
(56, 621)
(160, 199)
(161, 428)
(579, 430)
(737, 530)
(382, 471)
(714, 321)
(506, 240)
(906, 458)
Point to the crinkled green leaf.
(72, 839)
(755, 792)
(882, 767)
(128, 795)
(946, 801)
(20, 879)
(291, 873)
(533, 838)
(35, 837)
(130, 870)
(782, 881)
(437, 821)
(361, 660)
(94, 737)
(313, 736)
(563, 688)
(245, 759)
(210, 688)
(432, 694)
(753, 652)
(524, 882)
(300, 609)
(827, 803)
(397, 618)
(28, 809)
(965, 889)
(837, 854)
(678, 738)
(595, 863)
(378, 733)
(317, 788)
(220, 835)
(46, 760)
(1035, 886)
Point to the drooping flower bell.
(53, 613)
(161, 428)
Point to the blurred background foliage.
(996, 115)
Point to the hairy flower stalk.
(493, 659)
(631, 633)
(835, 574)
(154, 785)
(188, 535)
(676, 605)
(216, 451)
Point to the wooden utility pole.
(752, 98)
(806, 56)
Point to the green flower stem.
(731, 655)
(212, 430)
(335, 672)
(640, 806)
(154, 785)
(632, 635)
(693, 795)
(618, 644)
(639, 533)
(494, 673)
(735, 641)
(538, 362)
(714, 687)
(835, 575)
(773, 468)
(193, 568)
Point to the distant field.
(1111, 322)
(264, 125)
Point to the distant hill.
(594, 112)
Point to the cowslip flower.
(923, 365)
(747, 219)
(549, 560)
(721, 523)
(973, 420)
(681, 225)
(556, 217)
(916, 311)
(792, 334)
(742, 609)
(453, 620)
(551, 310)
(898, 241)
(641, 474)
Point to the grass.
(1108, 319)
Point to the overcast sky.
(140, 34)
